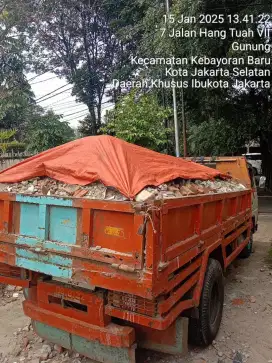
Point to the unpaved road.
(246, 325)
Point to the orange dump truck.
(103, 277)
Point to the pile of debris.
(52, 187)
(185, 188)
(175, 189)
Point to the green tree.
(47, 131)
(8, 141)
(139, 119)
(214, 138)
(16, 97)
(85, 126)
(89, 43)
(229, 116)
(76, 40)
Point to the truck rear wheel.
(203, 331)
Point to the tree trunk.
(93, 122)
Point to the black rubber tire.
(203, 331)
(247, 251)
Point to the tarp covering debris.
(128, 168)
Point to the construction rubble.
(175, 189)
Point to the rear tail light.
(132, 303)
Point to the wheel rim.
(214, 304)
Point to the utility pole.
(174, 101)
(183, 124)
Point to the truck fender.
(216, 252)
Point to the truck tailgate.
(59, 237)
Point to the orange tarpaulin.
(116, 163)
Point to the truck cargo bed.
(121, 246)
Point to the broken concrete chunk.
(145, 195)
(31, 189)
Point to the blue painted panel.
(53, 335)
(48, 269)
(43, 222)
(63, 224)
(29, 220)
(48, 226)
(44, 200)
(48, 264)
(56, 246)
(48, 257)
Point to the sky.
(64, 103)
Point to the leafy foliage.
(214, 137)
(16, 97)
(85, 126)
(47, 131)
(231, 116)
(13, 146)
(6, 142)
(90, 42)
(75, 39)
(139, 120)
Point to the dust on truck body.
(103, 277)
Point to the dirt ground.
(246, 327)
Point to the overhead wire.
(77, 117)
(74, 113)
(44, 80)
(38, 75)
(83, 115)
(68, 107)
(63, 99)
(78, 84)
(102, 108)
(59, 93)
(40, 99)
(62, 103)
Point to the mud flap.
(173, 340)
(91, 349)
